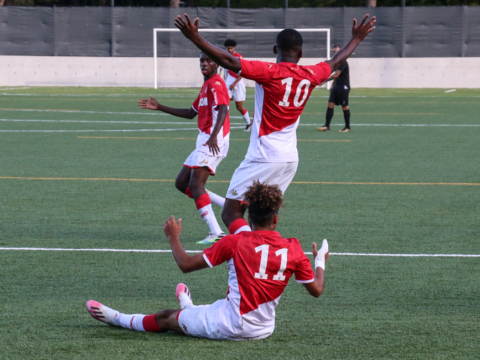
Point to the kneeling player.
(260, 264)
(211, 106)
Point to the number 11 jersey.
(281, 92)
(260, 263)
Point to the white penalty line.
(199, 251)
(119, 130)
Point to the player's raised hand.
(359, 32)
(172, 228)
(151, 104)
(188, 29)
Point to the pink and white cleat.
(183, 296)
(101, 312)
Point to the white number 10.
(262, 272)
(288, 89)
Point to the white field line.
(116, 130)
(198, 251)
(105, 121)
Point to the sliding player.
(281, 92)
(211, 106)
(236, 85)
(260, 264)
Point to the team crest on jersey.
(233, 192)
(204, 162)
(203, 102)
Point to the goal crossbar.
(157, 30)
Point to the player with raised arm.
(236, 85)
(211, 106)
(260, 264)
(281, 92)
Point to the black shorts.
(339, 95)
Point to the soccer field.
(86, 168)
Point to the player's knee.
(239, 107)
(345, 108)
(196, 184)
(331, 105)
(162, 317)
(181, 184)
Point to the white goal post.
(165, 30)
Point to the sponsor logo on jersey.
(203, 102)
(218, 83)
(234, 192)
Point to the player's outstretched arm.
(220, 56)
(152, 104)
(358, 34)
(212, 142)
(185, 262)
(315, 288)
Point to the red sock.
(237, 224)
(203, 201)
(244, 111)
(150, 324)
(188, 193)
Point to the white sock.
(246, 117)
(216, 199)
(208, 216)
(130, 321)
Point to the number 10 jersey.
(260, 263)
(281, 92)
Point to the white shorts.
(201, 321)
(239, 93)
(279, 173)
(200, 159)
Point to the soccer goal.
(176, 58)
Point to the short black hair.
(335, 46)
(230, 42)
(264, 201)
(289, 39)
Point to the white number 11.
(262, 272)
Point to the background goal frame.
(157, 30)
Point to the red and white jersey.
(281, 92)
(260, 264)
(230, 72)
(214, 92)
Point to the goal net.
(176, 59)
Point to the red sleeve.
(259, 71)
(195, 103)
(221, 251)
(303, 271)
(321, 71)
(220, 93)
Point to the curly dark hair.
(264, 201)
(230, 42)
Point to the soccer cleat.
(345, 129)
(183, 296)
(323, 128)
(211, 238)
(101, 312)
(248, 128)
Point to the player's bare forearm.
(220, 56)
(185, 262)
(315, 288)
(183, 113)
(358, 34)
(212, 141)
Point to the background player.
(338, 94)
(236, 85)
(281, 92)
(260, 264)
(211, 106)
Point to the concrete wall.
(184, 72)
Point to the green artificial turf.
(388, 190)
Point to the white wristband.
(320, 259)
(320, 263)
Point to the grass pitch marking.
(227, 181)
(199, 251)
(169, 138)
